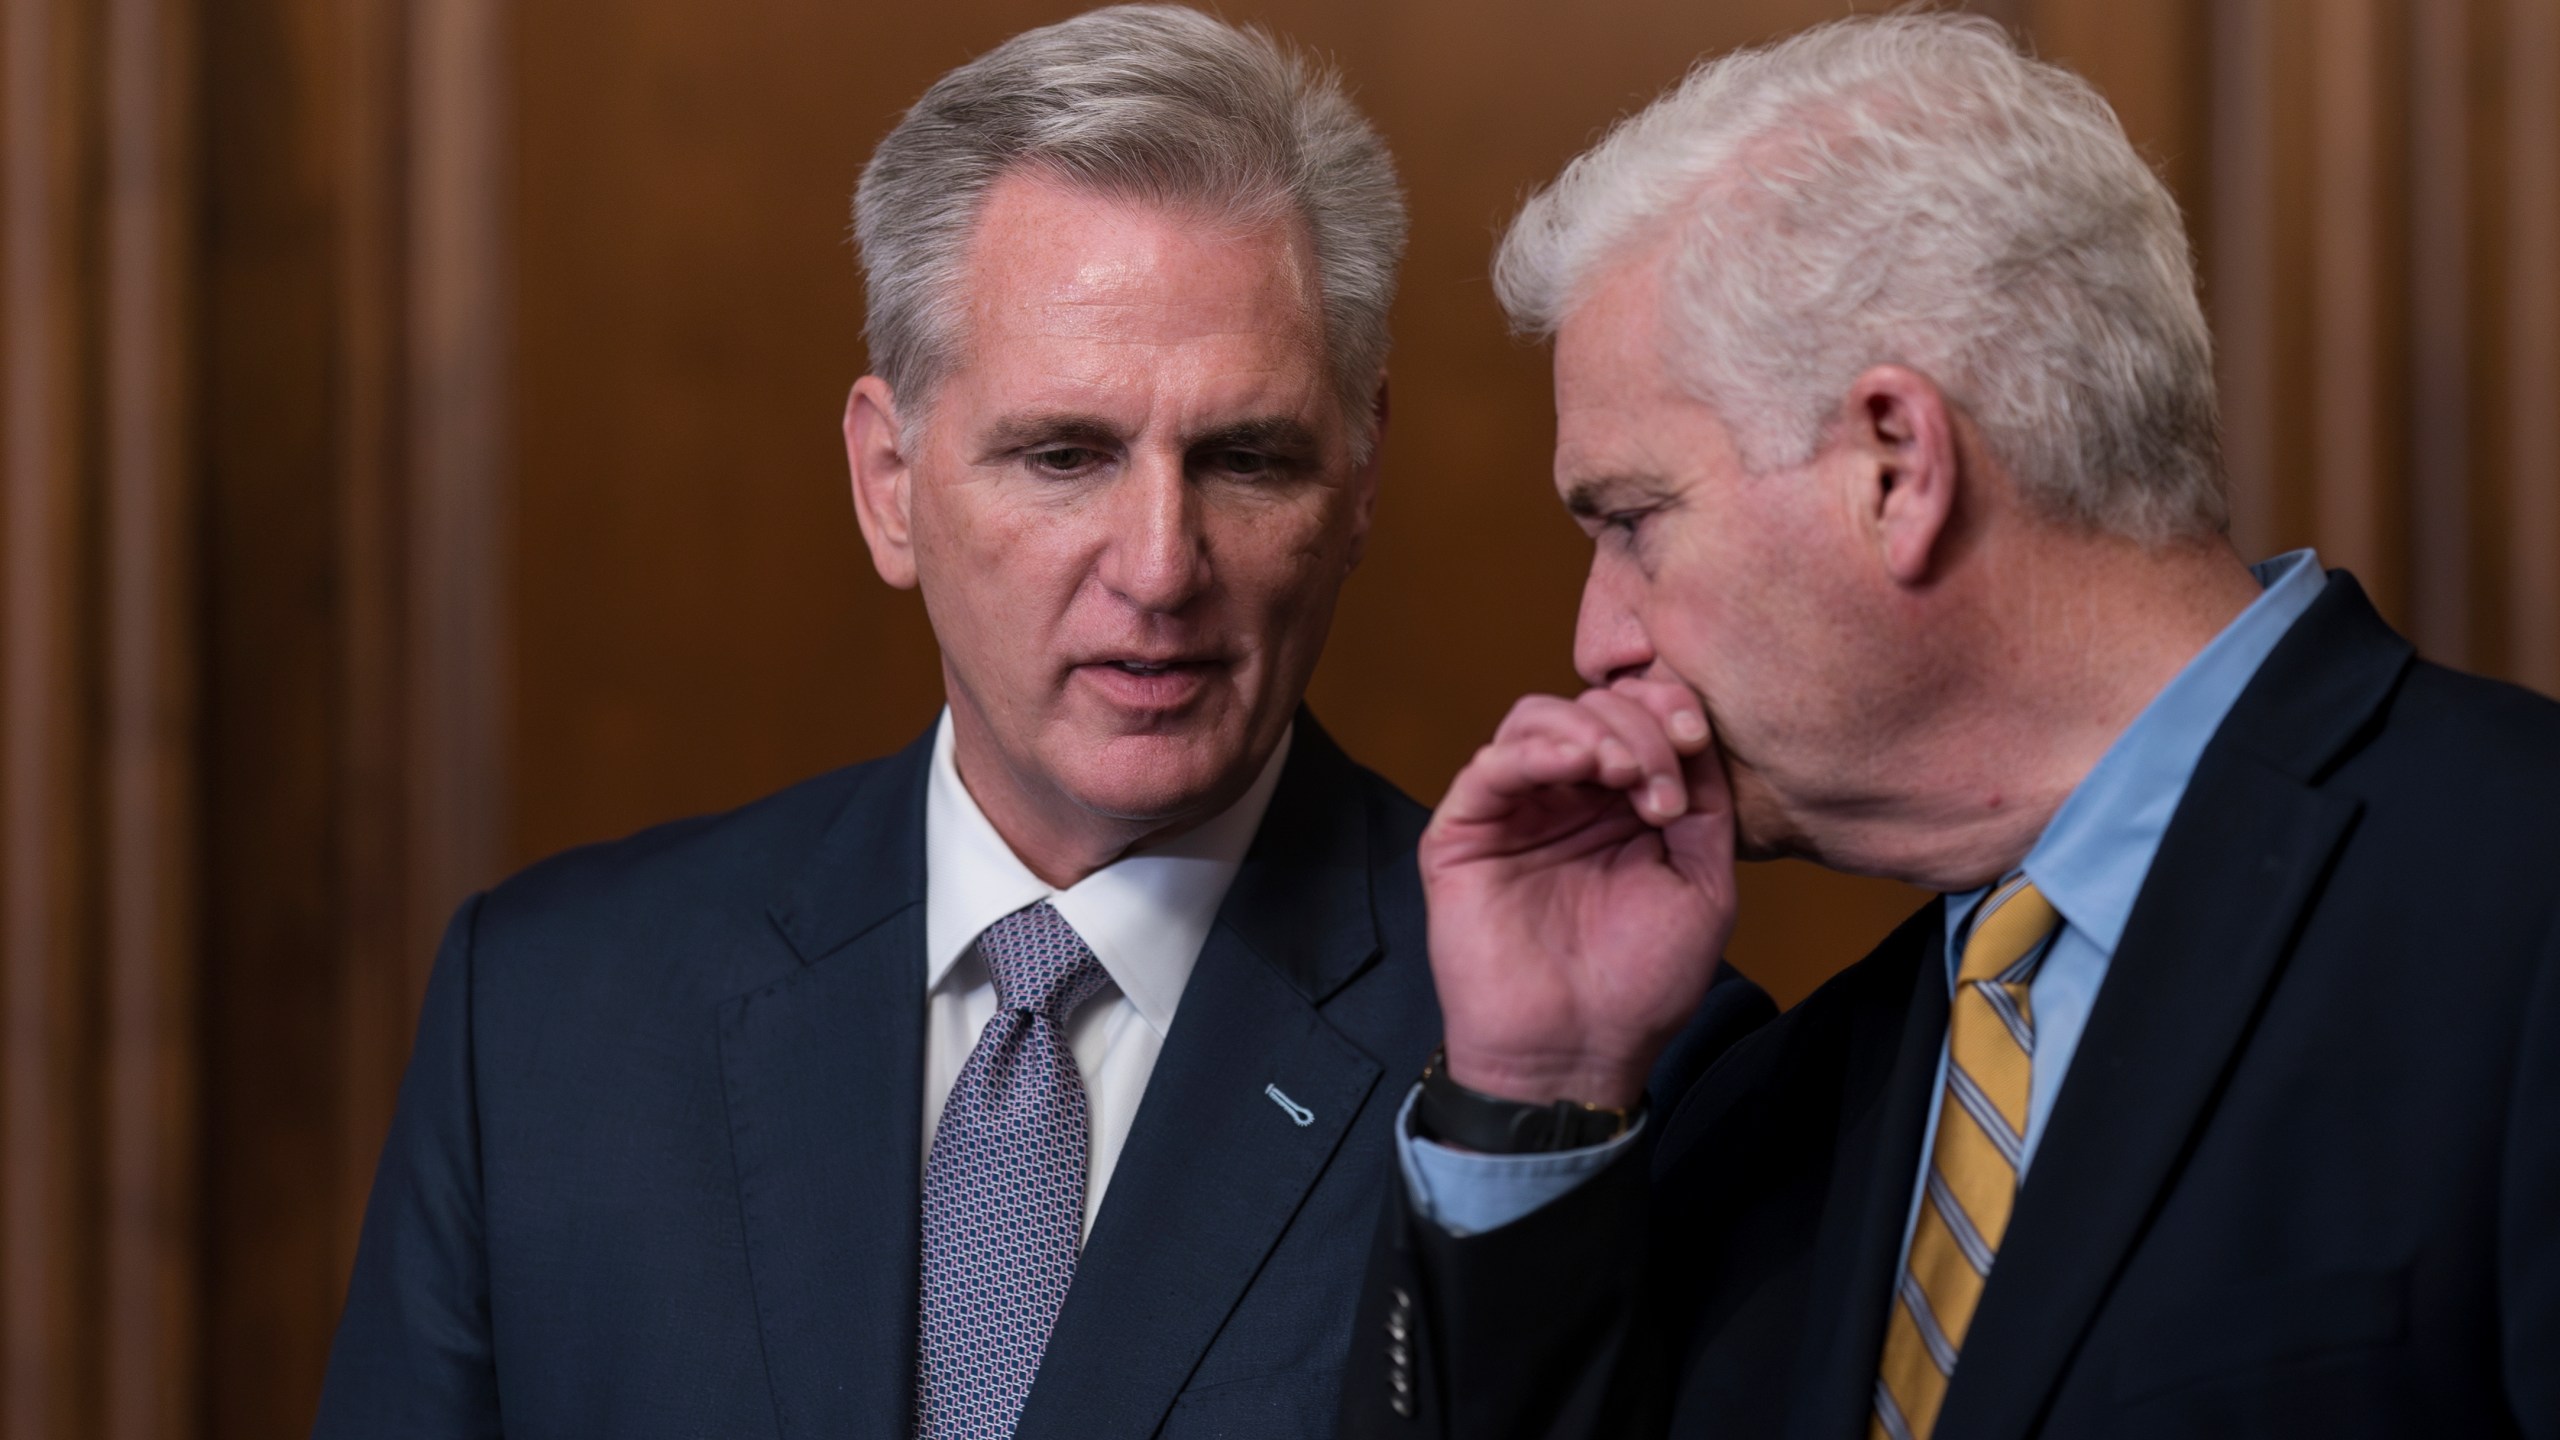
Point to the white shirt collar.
(1145, 915)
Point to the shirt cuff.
(1466, 1193)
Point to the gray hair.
(1151, 102)
(1907, 189)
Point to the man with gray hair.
(2219, 1095)
(1025, 1082)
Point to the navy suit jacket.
(2303, 1177)
(655, 1170)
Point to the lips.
(1149, 682)
(1147, 662)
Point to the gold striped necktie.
(1973, 1166)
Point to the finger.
(1661, 793)
(1705, 790)
(1570, 726)
(1503, 773)
(1682, 713)
(1701, 844)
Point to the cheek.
(999, 573)
(960, 524)
(1716, 611)
(1281, 557)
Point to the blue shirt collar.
(2095, 852)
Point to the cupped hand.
(1579, 876)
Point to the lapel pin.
(1297, 1112)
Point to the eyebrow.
(1595, 497)
(1278, 434)
(1038, 427)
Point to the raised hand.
(1580, 882)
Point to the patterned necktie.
(1973, 1167)
(1004, 1186)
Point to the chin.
(1159, 777)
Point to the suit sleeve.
(1528, 1332)
(413, 1354)
(1540, 1329)
(2529, 1219)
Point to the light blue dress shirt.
(2090, 863)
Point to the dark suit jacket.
(655, 1170)
(2303, 1177)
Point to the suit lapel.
(823, 1072)
(1215, 1166)
(1891, 1064)
(2227, 895)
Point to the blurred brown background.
(418, 440)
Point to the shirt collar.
(1145, 915)
(2097, 850)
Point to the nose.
(1157, 555)
(1609, 642)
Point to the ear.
(1906, 472)
(883, 479)
(1364, 478)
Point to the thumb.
(1699, 849)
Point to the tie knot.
(1040, 963)
(2008, 933)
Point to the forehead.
(1071, 290)
(1620, 417)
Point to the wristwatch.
(1472, 1120)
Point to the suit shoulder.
(2462, 764)
(692, 855)
(692, 891)
(2484, 726)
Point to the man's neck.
(2076, 639)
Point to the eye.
(1623, 522)
(1062, 459)
(1250, 464)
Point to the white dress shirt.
(1144, 916)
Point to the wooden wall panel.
(352, 390)
(293, 386)
(47, 765)
(148, 1308)
(418, 453)
(2353, 343)
(457, 123)
(2530, 385)
(2240, 274)
(2142, 55)
(695, 623)
(2382, 280)
(98, 1172)
(381, 936)
(2437, 297)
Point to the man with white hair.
(1026, 1082)
(2219, 1095)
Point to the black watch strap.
(1472, 1120)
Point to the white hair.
(1151, 102)
(1906, 189)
